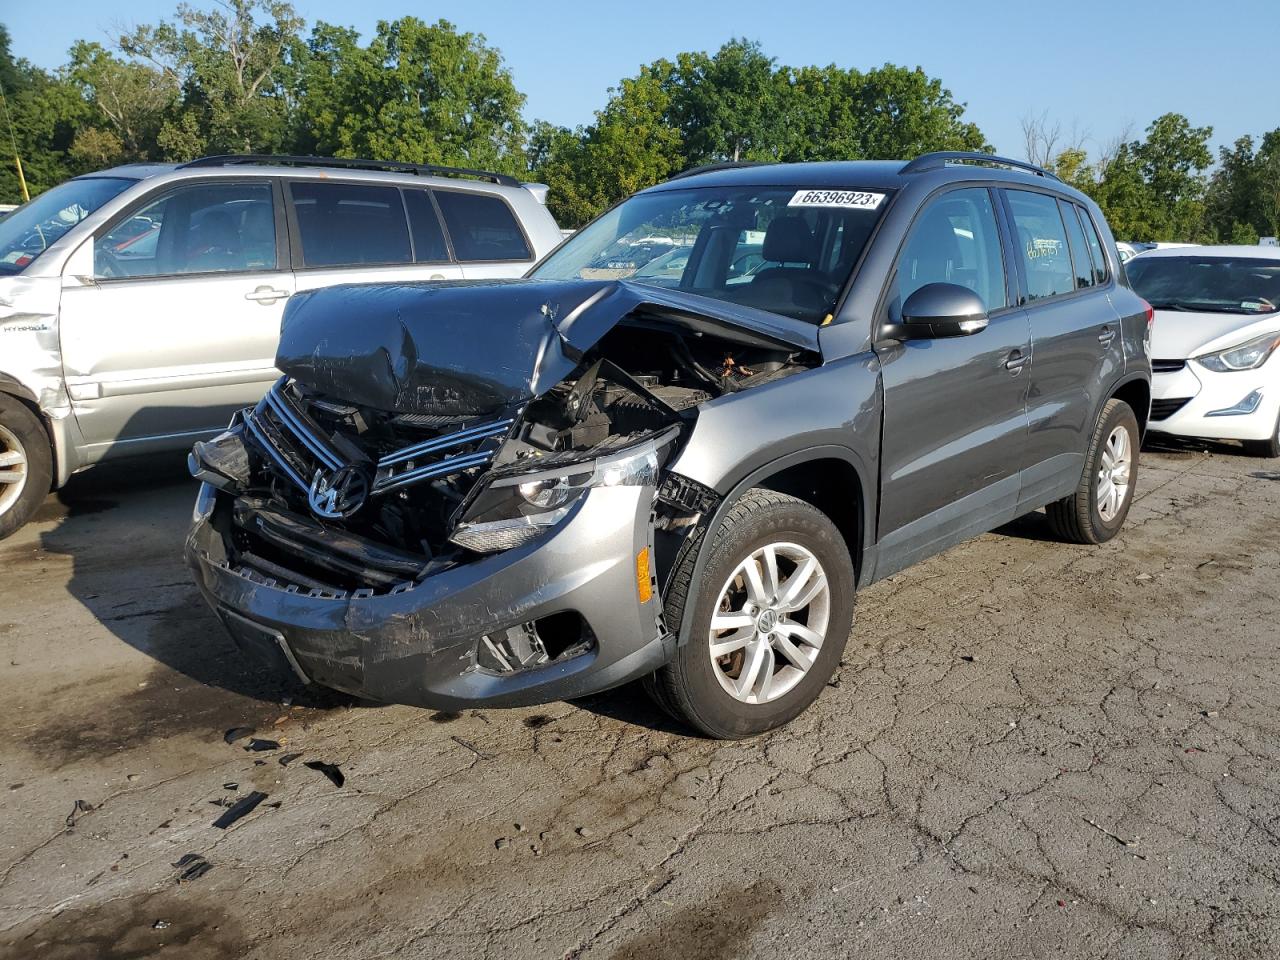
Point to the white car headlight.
(1247, 356)
(513, 509)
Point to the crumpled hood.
(1179, 335)
(475, 348)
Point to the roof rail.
(345, 163)
(710, 167)
(939, 159)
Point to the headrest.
(789, 240)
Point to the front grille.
(1167, 366)
(1164, 409)
(299, 447)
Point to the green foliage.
(1154, 188)
(242, 76)
(420, 93)
(38, 121)
(232, 70)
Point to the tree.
(630, 146)
(728, 106)
(39, 121)
(1243, 197)
(1154, 189)
(418, 92)
(889, 112)
(232, 70)
(129, 104)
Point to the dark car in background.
(508, 493)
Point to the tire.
(24, 454)
(1265, 448)
(693, 687)
(1080, 518)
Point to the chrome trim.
(482, 432)
(301, 429)
(438, 469)
(251, 422)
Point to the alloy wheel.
(1113, 473)
(13, 468)
(769, 622)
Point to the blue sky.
(1101, 64)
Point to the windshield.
(34, 227)
(788, 250)
(1207, 284)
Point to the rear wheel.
(769, 629)
(26, 464)
(1097, 510)
(1266, 448)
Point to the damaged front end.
(458, 493)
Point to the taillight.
(1151, 320)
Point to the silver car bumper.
(419, 645)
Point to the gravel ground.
(1030, 750)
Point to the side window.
(1095, 246)
(481, 227)
(428, 235)
(347, 224)
(202, 228)
(1081, 264)
(1041, 240)
(955, 240)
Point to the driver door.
(179, 325)
(955, 409)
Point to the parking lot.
(1030, 750)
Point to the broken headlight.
(512, 510)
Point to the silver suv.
(141, 306)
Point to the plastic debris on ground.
(240, 808)
(330, 770)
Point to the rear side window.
(428, 236)
(1095, 245)
(344, 224)
(1042, 244)
(482, 227)
(1081, 264)
(955, 241)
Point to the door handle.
(266, 295)
(1017, 360)
(1107, 335)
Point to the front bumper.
(417, 645)
(1200, 400)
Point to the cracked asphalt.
(1031, 750)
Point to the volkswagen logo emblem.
(338, 494)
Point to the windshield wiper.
(1170, 305)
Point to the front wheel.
(770, 624)
(26, 464)
(1097, 510)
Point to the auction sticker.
(847, 199)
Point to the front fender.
(832, 412)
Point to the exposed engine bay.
(336, 497)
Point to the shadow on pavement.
(123, 525)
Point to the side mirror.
(941, 310)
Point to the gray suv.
(140, 306)
(507, 493)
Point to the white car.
(1213, 345)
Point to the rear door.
(180, 326)
(1075, 338)
(955, 417)
(486, 235)
(349, 232)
